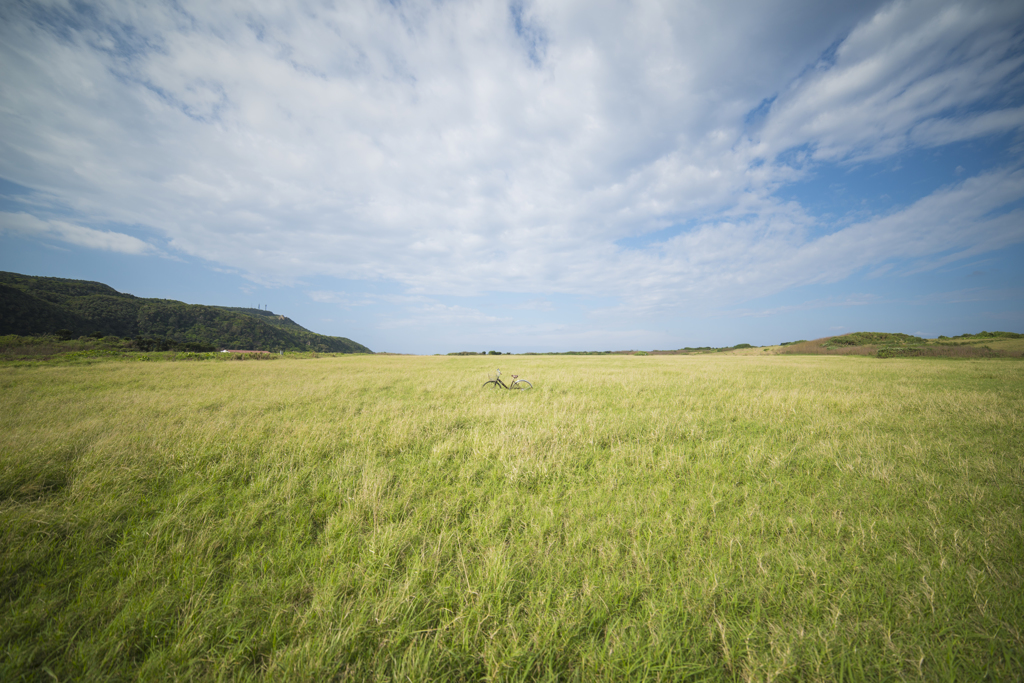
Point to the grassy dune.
(705, 517)
(887, 345)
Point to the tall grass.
(817, 347)
(707, 517)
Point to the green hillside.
(898, 345)
(268, 317)
(47, 305)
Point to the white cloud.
(935, 132)
(324, 297)
(775, 250)
(908, 76)
(535, 305)
(433, 144)
(27, 225)
(851, 300)
(976, 294)
(442, 314)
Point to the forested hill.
(51, 305)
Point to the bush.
(900, 352)
(150, 344)
(871, 338)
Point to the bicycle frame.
(517, 383)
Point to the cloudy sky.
(434, 176)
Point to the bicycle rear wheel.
(522, 385)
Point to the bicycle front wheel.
(491, 384)
(523, 385)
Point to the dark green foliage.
(579, 353)
(941, 351)
(988, 335)
(47, 347)
(700, 349)
(900, 352)
(22, 313)
(74, 308)
(56, 289)
(268, 317)
(150, 344)
(42, 348)
(867, 338)
(112, 314)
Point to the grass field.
(663, 517)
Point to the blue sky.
(426, 177)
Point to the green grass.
(662, 517)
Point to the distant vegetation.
(699, 349)
(475, 353)
(53, 349)
(77, 308)
(634, 352)
(896, 345)
(878, 344)
(876, 338)
(985, 335)
(579, 353)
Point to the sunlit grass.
(631, 517)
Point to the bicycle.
(495, 381)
